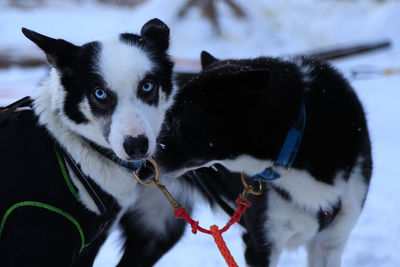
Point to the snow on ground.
(271, 28)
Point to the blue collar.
(131, 166)
(288, 151)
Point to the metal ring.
(251, 188)
(152, 181)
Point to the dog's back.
(37, 207)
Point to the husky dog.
(249, 116)
(64, 163)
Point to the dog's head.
(113, 92)
(226, 114)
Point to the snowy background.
(270, 28)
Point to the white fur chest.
(309, 193)
(113, 179)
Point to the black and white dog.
(62, 182)
(296, 122)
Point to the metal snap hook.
(249, 189)
(154, 180)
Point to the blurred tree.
(36, 3)
(209, 10)
(25, 3)
(129, 3)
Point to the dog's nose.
(136, 147)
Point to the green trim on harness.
(47, 207)
(66, 176)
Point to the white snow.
(271, 28)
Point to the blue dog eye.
(100, 94)
(147, 86)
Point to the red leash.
(214, 231)
(181, 212)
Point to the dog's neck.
(113, 179)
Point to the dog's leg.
(325, 249)
(260, 250)
(324, 254)
(260, 255)
(150, 229)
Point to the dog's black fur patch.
(154, 40)
(76, 69)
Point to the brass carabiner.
(154, 180)
(249, 189)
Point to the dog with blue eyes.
(67, 156)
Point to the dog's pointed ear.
(207, 59)
(58, 51)
(158, 32)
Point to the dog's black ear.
(58, 51)
(207, 59)
(158, 32)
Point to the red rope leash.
(181, 212)
(222, 246)
(214, 231)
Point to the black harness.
(105, 203)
